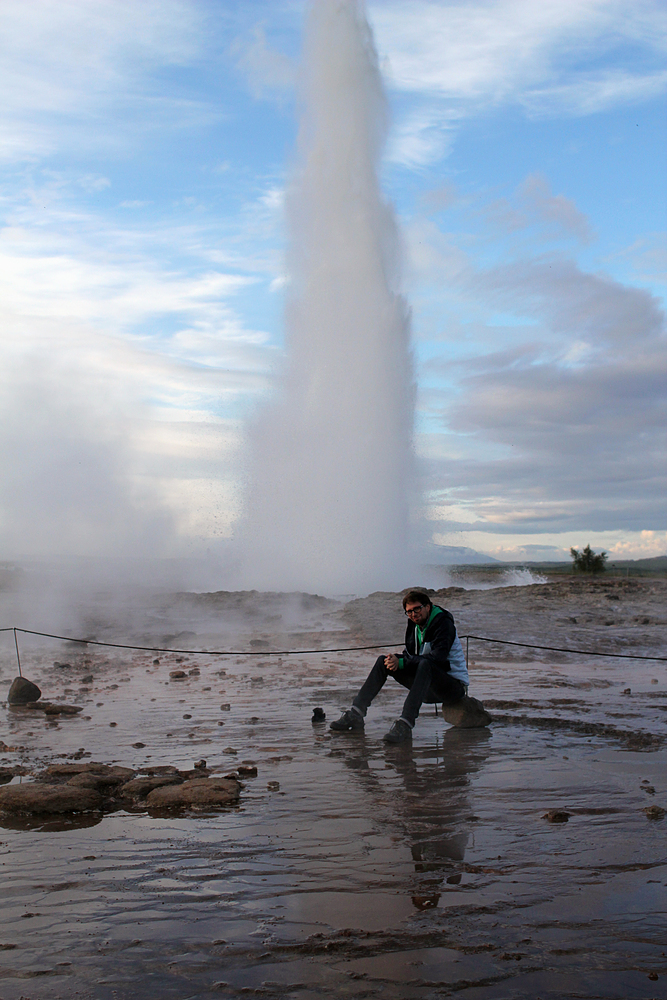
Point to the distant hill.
(655, 562)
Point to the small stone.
(230, 750)
(467, 713)
(113, 725)
(557, 816)
(156, 663)
(654, 812)
(88, 679)
(6, 775)
(627, 691)
(225, 707)
(319, 715)
(199, 764)
(194, 671)
(273, 786)
(653, 976)
(138, 746)
(186, 716)
(654, 680)
(23, 691)
(247, 771)
(257, 680)
(177, 675)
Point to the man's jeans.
(427, 683)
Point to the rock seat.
(468, 713)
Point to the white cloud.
(422, 137)
(556, 418)
(536, 54)
(93, 55)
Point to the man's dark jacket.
(440, 633)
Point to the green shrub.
(588, 561)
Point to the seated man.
(432, 666)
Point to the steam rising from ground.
(331, 466)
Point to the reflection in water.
(431, 808)
(50, 824)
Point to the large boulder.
(23, 691)
(201, 793)
(468, 713)
(39, 798)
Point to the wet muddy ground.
(351, 869)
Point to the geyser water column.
(330, 457)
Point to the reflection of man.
(432, 666)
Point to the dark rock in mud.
(6, 774)
(319, 715)
(654, 812)
(194, 773)
(210, 792)
(468, 713)
(41, 798)
(139, 788)
(557, 816)
(23, 691)
(90, 774)
(102, 780)
(48, 707)
(177, 675)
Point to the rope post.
(18, 655)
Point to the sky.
(144, 153)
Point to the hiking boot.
(348, 722)
(399, 732)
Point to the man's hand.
(391, 662)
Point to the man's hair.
(414, 596)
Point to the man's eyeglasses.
(415, 611)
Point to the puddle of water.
(371, 870)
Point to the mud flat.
(348, 868)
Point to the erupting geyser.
(331, 467)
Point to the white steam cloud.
(331, 468)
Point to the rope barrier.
(562, 649)
(299, 652)
(201, 652)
